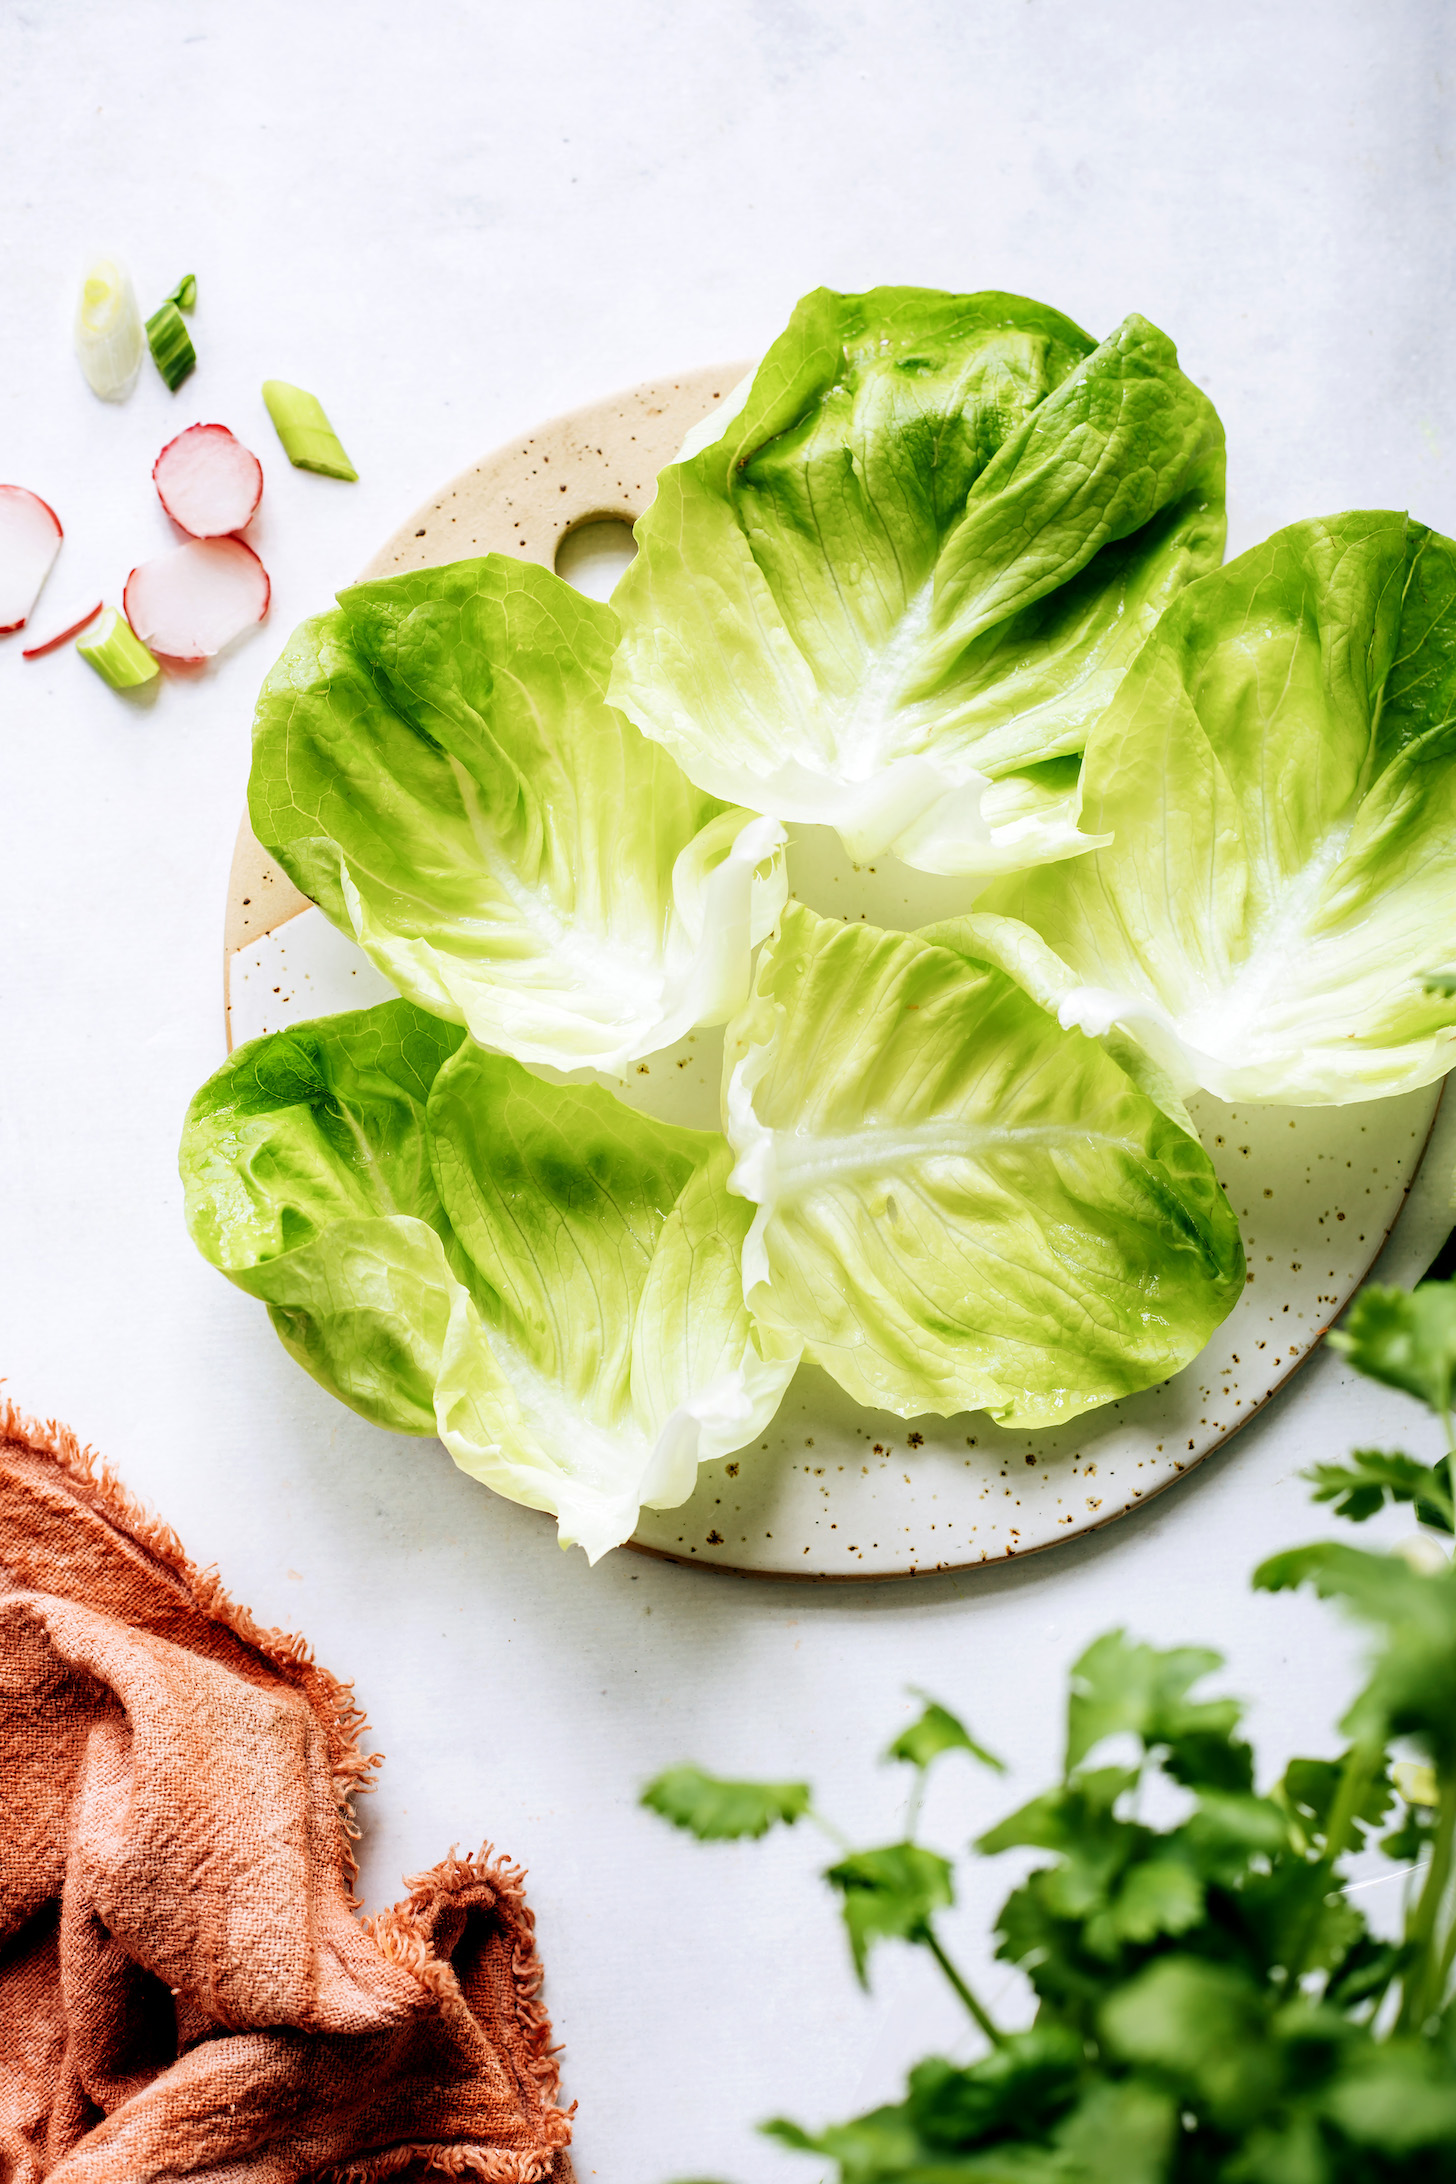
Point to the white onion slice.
(208, 482)
(191, 602)
(30, 539)
(109, 341)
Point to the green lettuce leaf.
(961, 1206)
(1278, 771)
(307, 1180)
(545, 1279)
(435, 764)
(898, 585)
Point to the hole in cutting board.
(593, 556)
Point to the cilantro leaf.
(1159, 1895)
(1412, 1690)
(1293, 1914)
(1203, 2026)
(938, 1730)
(1014, 2096)
(1066, 1818)
(1121, 1686)
(1237, 1822)
(1119, 2133)
(1405, 1338)
(1308, 1791)
(1211, 1759)
(1374, 1475)
(1396, 2096)
(716, 1810)
(871, 2149)
(1367, 1968)
(1016, 2090)
(890, 1895)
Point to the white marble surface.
(450, 224)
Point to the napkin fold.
(186, 1986)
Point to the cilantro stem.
(1422, 1988)
(1450, 1460)
(826, 1827)
(987, 2024)
(913, 1804)
(1355, 1780)
(1448, 1956)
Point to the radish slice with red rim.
(191, 602)
(30, 539)
(209, 483)
(62, 636)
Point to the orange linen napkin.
(186, 1989)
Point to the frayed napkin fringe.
(94, 1480)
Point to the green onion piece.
(117, 653)
(109, 331)
(170, 344)
(184, 295)
(309, 440)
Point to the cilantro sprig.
(1211, 2004)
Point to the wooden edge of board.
(589, 464)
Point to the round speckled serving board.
(834, 1491)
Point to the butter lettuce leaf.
(435, 764)
(605, 1247)
(961, 1206)
(544, 1278)
(1278, 774)
(307, 1180)
(908, 572)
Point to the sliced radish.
(210, 484)
(30, 539)
(62, 636)
(188, 604)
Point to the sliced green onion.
(170, 344)
(184, 295)
(108, 331)
(309, 440)
(117, 653)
